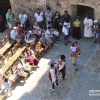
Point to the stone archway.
(83, 10)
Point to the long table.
(13, 59)
(6, 47)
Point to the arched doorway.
(81, 11)
(4, 5)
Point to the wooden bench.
(13, 58)
(12, 74)
(5, 44)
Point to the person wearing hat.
(88, 22)
(65, 32)
(96, 30)
(14, 34)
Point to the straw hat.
(14, 27)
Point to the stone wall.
(29, 6)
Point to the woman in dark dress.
(2, 24)
(76, 30)
(57, 18)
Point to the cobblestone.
(76, 85)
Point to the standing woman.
(88, 22)
(76, 30)
(57, 20)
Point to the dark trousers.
(63, 72)
(52, 84)
(57, 80)
(41, 24)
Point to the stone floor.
(4, 33)
(76, 85)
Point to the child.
(7, 86)
(77, 48)
(52, 76)
(73, 50)
(38, 48)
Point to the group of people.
(46, 38)
(26, 64)
(56, 68)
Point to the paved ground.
(76, 85)
(4, 33)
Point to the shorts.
(74, 60)
(65, 37)
(97, 35)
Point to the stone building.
(74, 7)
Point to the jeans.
(53, 39)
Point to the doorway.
(4, 6)
(81, 11)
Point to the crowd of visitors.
(46, 37)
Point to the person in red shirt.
(74, 57)
(20, 30)
(62, 66)
(78, 49)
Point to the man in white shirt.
(39, 17)
(65, 32)
(14, 34)
(23, 19)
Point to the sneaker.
(69, 41)
(53, 89)
(50, 88)
(66, 44)
(76, 69)
(95, 41)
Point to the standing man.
(52, 76)
(23, 19)
(39, 17)
(10, 18)
(66, 18)
(48, 16)
(65, 32)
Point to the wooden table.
(6, 47)
(13, 59)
